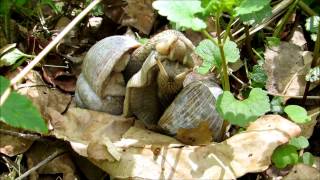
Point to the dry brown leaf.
(195, 136)
(298, 38)
(302, 171)
(60, 165)
(286, 67)
(81, 127)
(42, 96)
(12, 145)
(140, 15)
(104, 149)
(165, 158)
(307, 128)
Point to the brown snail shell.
(194, 104)
(101, 85)
(160, 78)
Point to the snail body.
(160, 78)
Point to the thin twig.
(20, 135)
(45, 161)
(47, 49)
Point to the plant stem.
(316, 55)
(248, 45)
(47, 49)
(225, 82)
(206, 34)
(285, 19)
(306, 9)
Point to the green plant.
(18, 111)
(288, 154)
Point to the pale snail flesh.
(160, 78)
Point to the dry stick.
(20, 135)
(45, 161)
(316, 55)
(47, 49)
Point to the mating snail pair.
(121, 76)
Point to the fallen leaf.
(81, 127)
(140, 15)
(249, 151)
(13, 145)
(195, 136)
(62, 164)
(42, 96)
(302, 171)
(59, 74)
(286, 66)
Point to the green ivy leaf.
(307, 158)
(312, 24)
(11, 57)
(256, 16)
(18, 111)
(277, 105)
(210, 54)
(251, 6)
(181, 13)
(242, 112)
(258, 77)
(299, 142)
(285, 155)
(313, 74)
(297, 114)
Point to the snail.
(121, 76)
(193, 105)
(101, 85)
(166, 60)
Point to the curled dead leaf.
(195, 136)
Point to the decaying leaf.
(42, 96)
(85, 128)
(62, 164)
(307, 128)
(286, 67)
(195, 136)
(302, 171)
(12, 145)
(249, 151)
(140, 15)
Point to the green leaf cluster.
(18, 111)
(288, 154)
(252, 11)
(182, 13)
(213, 6)
(242, 112)
(211, 56)
(313, 74)
(258, 77)
(311, 25)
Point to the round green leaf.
(242, 112)
(182, 13)
(299, 142)
(285, 155)
(307, 158)
(297, 114)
